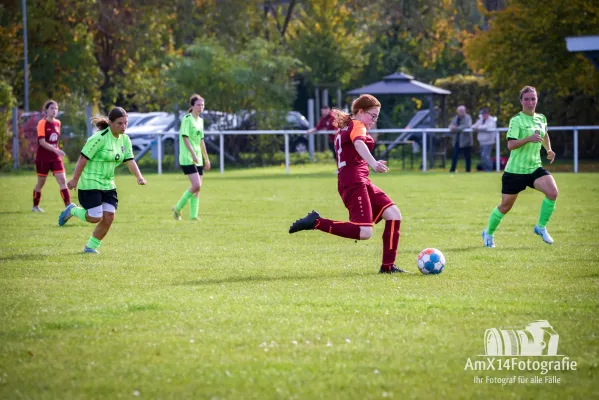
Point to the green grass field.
(234, 307)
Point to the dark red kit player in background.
(366, 203)
(48, 156)
(326, 123)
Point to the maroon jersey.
(352, 167)
(327, 123)
(50, 131)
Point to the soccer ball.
(431, 261)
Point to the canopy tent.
(402, 84)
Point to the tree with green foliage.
(525, 45)
(61, 61)
(132, 42)
(252, 83)
(329, 41)
(7, 102)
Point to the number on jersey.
(338, 145)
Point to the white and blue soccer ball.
(431, 261)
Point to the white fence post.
(15, 138)
(311, 120)
(221, 150)
(286, 153)
(424, 140)
(575, 150)
(159, 151)
(497, 152)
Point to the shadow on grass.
(32, 256)
(290, 278)
(23, 257)
(477, 247)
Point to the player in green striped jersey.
(94, 176)
(193, 157)
(526, 135)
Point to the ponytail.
(341, 119)
(102, 122)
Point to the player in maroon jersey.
(366, 203)
(49, 156)
(326, 123)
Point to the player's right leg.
(89, 211)
(359, 227)
(511, 185)
(191, 172)
(194, 202)
(547, 185)
(42, 170)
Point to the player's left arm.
(130, 161)
(364, 152)
(207, 165)
(547, 146)
(134, 169)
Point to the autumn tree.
(525, 45)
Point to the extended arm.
(134, 169)
(205, 155)
(362, 149)
(547, 146)
(81, 163)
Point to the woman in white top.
(485, 126)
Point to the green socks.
(94, 243)
(194, 205)
(184, 199)
(547, 208)
(79, 212)
(494, 220)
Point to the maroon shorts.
(365, 203)
(44, 167)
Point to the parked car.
(137, 119)
(168, 125)
(293, 121)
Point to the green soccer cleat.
(176, 214)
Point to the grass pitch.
(235, 307)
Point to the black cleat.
(393, 270)
(306, 223)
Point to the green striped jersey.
(104, 153)
(192, 128)
(526, 159)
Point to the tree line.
(260, 55)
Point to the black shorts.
(94, 198)
(515, 183)
(192, 169)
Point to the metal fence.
(424, 142)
